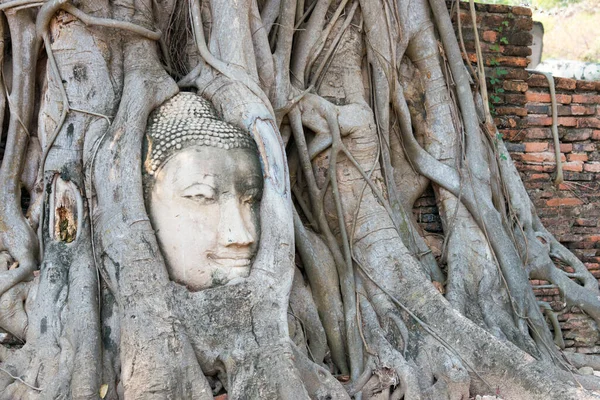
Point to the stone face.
(204, 199)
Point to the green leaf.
(499, 90)
(504, 40)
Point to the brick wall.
(521, 106)
(570, 211)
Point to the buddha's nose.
(233, 228)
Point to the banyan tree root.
(16, 235)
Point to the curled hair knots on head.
(187, 120)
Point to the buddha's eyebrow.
(196, 183)
(206, 179)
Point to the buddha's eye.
(200, 193)
(251, 196)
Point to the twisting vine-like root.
(16, 235)
(322, 275)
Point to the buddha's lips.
(231, 260)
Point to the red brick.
(545, 156)
(513, 134)
(583, 110)
(569, 238)
(492, 20)
(566, 147)
(586, 98)
(575, 135)
(564, 186)
(532, 147)
(563, 98)
(498, 8)
(538, 97)
(522, 24)
(586, 85)
(518, 74)
(586, 222)
(565, 83)
(539, 177)
(490, 36)
(521, 51)
(542, 97)
(568, 121)
(465, 18)
(519, 10)
(570, 201)
(591, 122)
(577, 157)
(515, 86)
(538, 108)
(592, 167)
(521, 112)
(573, 166)
(596, 135)
(507, 60)
(520, 38)
(539, 133)
(538, 120)
(512, 98)
(537, 80)
(505, 122)
(583, 147)
(563, 110)
(531, 167)
(529, 185)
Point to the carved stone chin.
(203, 191)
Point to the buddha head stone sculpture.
(203, 185)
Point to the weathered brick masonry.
(521, 105)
